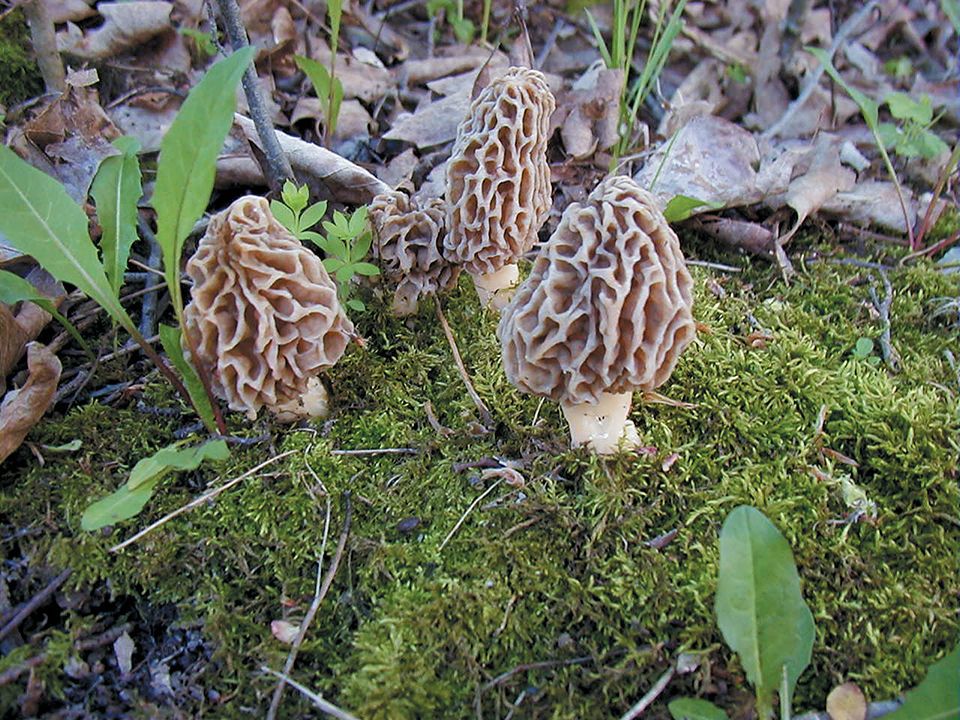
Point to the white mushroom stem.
(494, 289)
(602, 425)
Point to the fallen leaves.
(22, 408)
(126, 25)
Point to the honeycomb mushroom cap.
(607, 307)
(498, 180)
(264, 314)
(408, 244)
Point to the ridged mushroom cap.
(264, 314)
(498, 180)
(607, 307)
(408, 243)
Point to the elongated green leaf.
(869, 107)
(14, 289)
(175, 458)
(284, 215)
(188, 160)
(681, 207)
(695, 709)
(116, 190)
(38, 218)
(170, 339)
(120, 505)
(313, 214)
(327, 87)
(760, 610)
(938, 696)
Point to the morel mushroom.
(498, 180)
(264, 314)
(409, 241)
(606, 310)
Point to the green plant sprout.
(912, 137)
(346, 244)
(325, 82)
(292, 212)
(863, 350)
(463, 27)
(206, 48)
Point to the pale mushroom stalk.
(602, 426)
(496, 289)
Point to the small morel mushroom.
(498, 180)
(264, 314)
(409, 241)
(606, 310)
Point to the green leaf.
(285, 216)
(175, 458)
(363, 268)
(71, 446)
(313, 215)
(188, 160)
(336, 100)
(334, 10)
(870, 108)
(929, 146)
(904, 107)
(116, 190)
(39, 219)
(760, 610)
(681, 207)
(344, 274)
(863, 348)
(355, 304)
(14, 289)
(316, 238)
(335, 246)
(120, 505)
(938, 696)
(695, 709)
(601, 44)
(463, 29)
(358, 221)
(889, 134)
(332, 264)
(170, 339)
(361, 247)
(204, 43)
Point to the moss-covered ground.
(559, 573)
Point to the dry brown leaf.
(13, 339)
(846, 702)
(16, 330)
(588, 113)
(825, 178)
(21, 409)
(434, 124)
(418, 72)
(360, 80)
(399, 169)
(126, 25)
(873, 203)
(148, 124)
(62, 11)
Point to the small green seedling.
(329, 90)
(863, 350)
(345, 246)
(463, 28)
(292, 211)
(206, 48)
(912, 137)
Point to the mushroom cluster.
(606, 310)
(498, 180)
(264, 314)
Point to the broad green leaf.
(358, 221)
(175, 458)
(889, 134)
(344, 274)
(39, 219)
(285, 216)
(463, 29)
(362, 247)
(312, 215)
(869, 107)
(760, 610)
(116, 190)
(328, 89)
(332, 264)
(316, 238)
(863, 347)
(14, 289)
(188, 160)
(355, 304)
(363, 268)
(929, 145)
(904, 107)
(681, 207)
(695, 709)
(170, 339)
(335, 246)
(938, 696)
(120, 505)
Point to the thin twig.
(466, 512)
(376, 451)
(148, 312)
(321, 593)
(651, 696)
(890, 355)
(44, 39)
(36, 601)
(125, 350)
(714, 266)
(200, 500)
(278, 167)
(526, 667)
(324, 706)
(485, 417)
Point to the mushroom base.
(496, 289)
(603, 425)
(313, 403)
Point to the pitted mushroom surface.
(498, 180)
(264, 314)
(409, 241)
(606, 310)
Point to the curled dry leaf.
(589, 113)
(126, 25)
(22, 408)
(873, 203)
(846, 702)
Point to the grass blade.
(116, 190)
(170, 339)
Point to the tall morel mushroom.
(606, 310)
(264, 314)
(498, 180)
(409, 242)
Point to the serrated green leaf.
(39, 219)
(312, 215)
(938, 696)
(904, 107)
(681, 207)
(364, 268)
(760, 609)
(14, 289)
(120, 505)
(170, 339)
(188, 160)
(695, 709)
(116, 189)
(285, 216)
(175, 458)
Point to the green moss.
(559, 571)
(19, 77)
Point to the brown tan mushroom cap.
(409, 240)
(264, 313)
(498, 179)
(607, 307)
